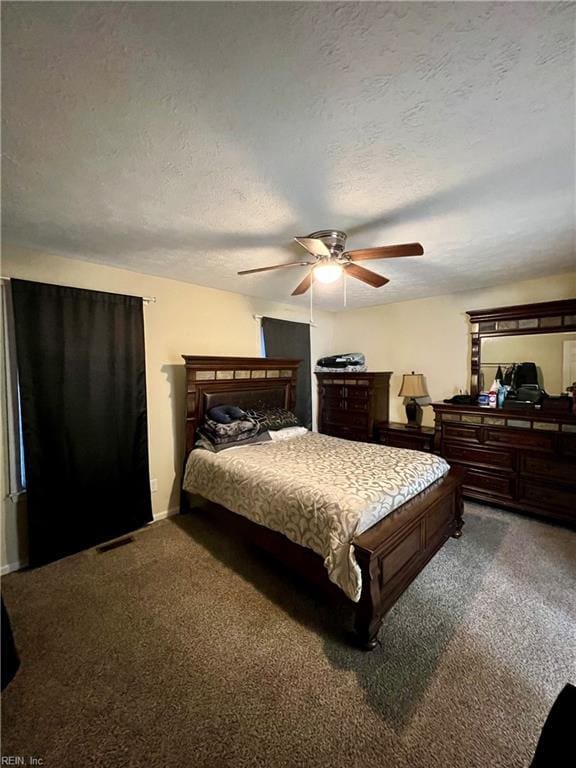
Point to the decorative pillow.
(287, 434)
(272, 418)
(224, 414)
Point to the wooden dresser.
(523, 460)
(349, 404)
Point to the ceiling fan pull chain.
(345, 287)
(312, 298)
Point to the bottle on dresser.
(494, 396)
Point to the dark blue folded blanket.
(229, 433)
(219, 439)
(209, 444)
(233, 428)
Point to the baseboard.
(10, 567)
(166, 513)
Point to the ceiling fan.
(331, 260)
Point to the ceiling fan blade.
(304, 285)
(366, 275)
(385, 252)
(276, 266)
(313, 246)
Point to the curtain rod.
(145, 299)
(259, 317)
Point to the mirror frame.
(518, 320)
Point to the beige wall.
(431, 336)
(187, 319)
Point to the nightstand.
(402, 436)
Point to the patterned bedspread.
(317, 490)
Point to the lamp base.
(413, 414)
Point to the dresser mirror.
(542, 333)
(554, 355)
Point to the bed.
(340, 517)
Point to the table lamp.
(413, 386)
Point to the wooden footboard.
(395, 550)
(390, 554)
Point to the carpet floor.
(186, 648)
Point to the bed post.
(458, 512)
(368, 618)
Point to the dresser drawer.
(358, 393)
(342, 416)
(331, 391)
(348, 433)
(405, 440)
(568, 444)
(402, 441)
(519, 438)
(357, 404)
(547, 467)
(548, 498)
(460, 432)
(468, 454)
(498, 486)
(334, 404)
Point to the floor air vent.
(115, 544)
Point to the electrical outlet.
(154, 485)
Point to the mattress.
(317, 490)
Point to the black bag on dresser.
(521, 374)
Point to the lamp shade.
(413, 385)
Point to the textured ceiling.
(192, 140)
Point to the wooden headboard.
(242, 381)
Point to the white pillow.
(287, 433)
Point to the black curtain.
(287, 339)
(82, 379)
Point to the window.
(14, 447)
(282, 338)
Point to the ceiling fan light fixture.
(327, 273)
(331, 261)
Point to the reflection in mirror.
(553, 353)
